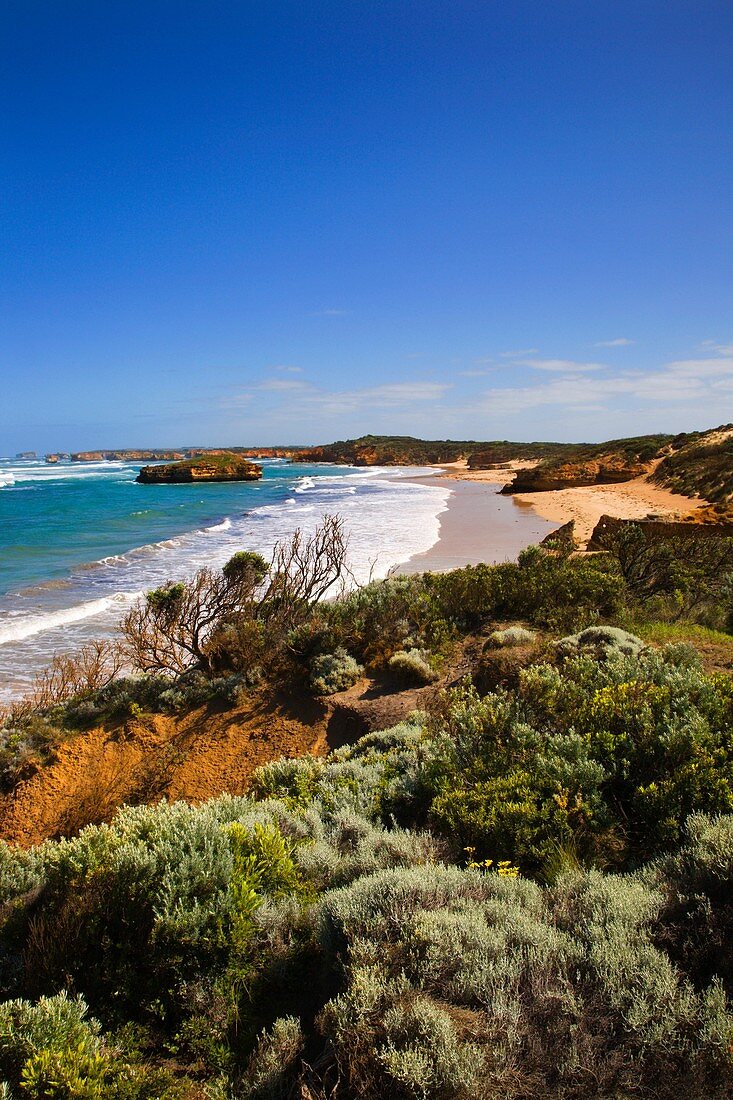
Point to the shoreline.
(636, 499)
(477, 525)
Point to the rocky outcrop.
(570, 475)
(562, 538)
(223, 467)
(608, 527)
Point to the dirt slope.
(192, 756)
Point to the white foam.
(26, 626)
(64, 472)
(225, 525)
(305, 484)
(387, 517)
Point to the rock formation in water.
(221, 467)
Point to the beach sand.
(629, 500)
(479, 525)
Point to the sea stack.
(226, 467)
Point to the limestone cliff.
(569, 475)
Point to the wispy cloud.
(282, 384)
(287, 369)
(519, 354)
(722, 349)
(619, 342)
(313, 400)
(559, 366)
(694, 382)
(393, 395)
(330, 313)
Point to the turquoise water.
(79, 543)
(56, 518)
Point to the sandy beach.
(479, 525)
(635, 499)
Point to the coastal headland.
(684, 477)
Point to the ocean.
(79, 542)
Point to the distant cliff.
(219, 467)
(119, 456)
(693, 464)
(379, 450)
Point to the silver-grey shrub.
(512, 636)
(332, 672)
(525, 992)
(411, 666)
(601, 640)
(272, 1066)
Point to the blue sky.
(270, 221)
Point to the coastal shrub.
(605, 757)
(462, 983)
(177, 627)
(135, 695)
(678, 575)
(24, 744)
(557, 590)
(273, 1064)
(133, 913)
(423, 978)
(383, 776)
(51, 1050)
(411, 667)
(76, 675)
(386, 616)
(512, 636)
(598, 760)
(542, 587)
(332, 672)
(696, 918)
(600, 640)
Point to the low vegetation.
(521, 892)
(700, 464)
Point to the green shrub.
(542, 587)
(25, 743)
(332, 672)
(412, 666)
(607, 758)
(274, 1062)
(51, 1050)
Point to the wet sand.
(479, 525)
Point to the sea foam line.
(26, 627)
